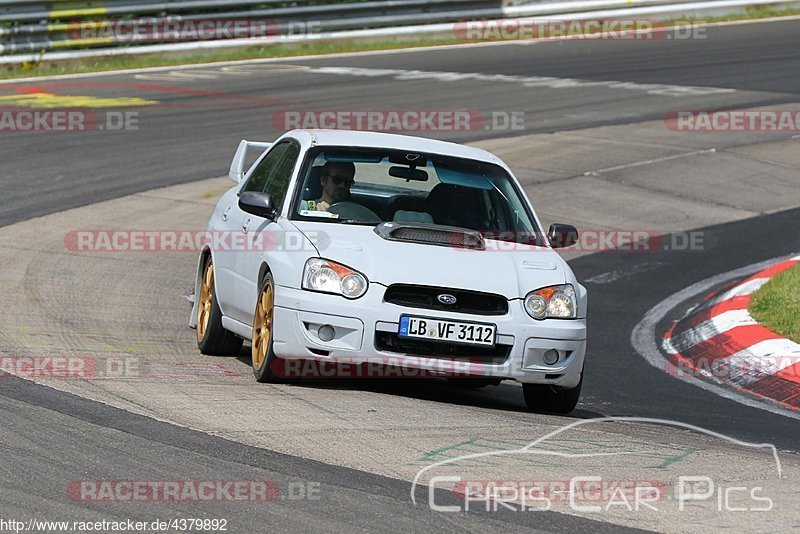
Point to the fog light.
(326, 332)
(550, 357)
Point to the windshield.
(370, 186)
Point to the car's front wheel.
(263, 357)
(546, 398)
(212, 338)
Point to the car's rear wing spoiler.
(237, 171)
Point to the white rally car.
(365, 247)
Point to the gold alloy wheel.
(204, 305)
(262, 326)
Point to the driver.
(336, 179)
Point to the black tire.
(264, 365)
(213, 339)
(553, 399)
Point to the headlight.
(557, 302)
(331, 277)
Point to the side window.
(258, 180)
(278, 182)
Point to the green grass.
(759, 12)
(777, 304)
(277, 50)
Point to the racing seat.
(409, 208)
(412, 217)
(455, 205)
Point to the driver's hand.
(322, 206)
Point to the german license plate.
(449, 331)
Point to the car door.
(262, 236)
(222, 229)
(228, 236)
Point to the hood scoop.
(429, 234)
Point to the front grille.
(474, 302)
(391, 342)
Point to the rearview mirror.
(408, 173)
(257, 203)
(562, 235)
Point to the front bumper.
(362, 325)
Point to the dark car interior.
(446, 204)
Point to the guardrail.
(33, 30)
(69, 28)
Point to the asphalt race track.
(594, 153)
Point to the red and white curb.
(720, 342)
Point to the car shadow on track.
(507, 396)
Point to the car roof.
(356, 138)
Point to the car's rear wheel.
(546, 398)
(263, 357)
(212, 338)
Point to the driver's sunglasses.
(339, 180)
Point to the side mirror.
(237, 170)
(257, 203)
(562, 235)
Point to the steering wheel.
(351, 210)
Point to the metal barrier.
(35, 30)
(93, 24)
